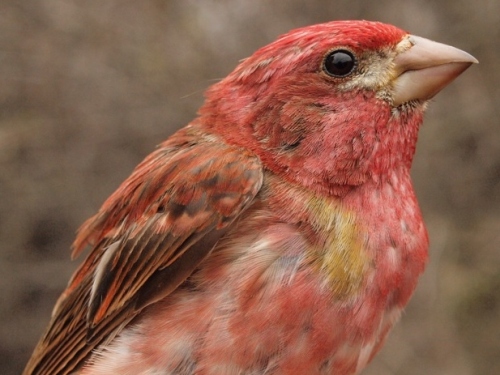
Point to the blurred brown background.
(87, 89)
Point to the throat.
(395, 237)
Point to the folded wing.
(147, 238)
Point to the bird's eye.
(339, 63)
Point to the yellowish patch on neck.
(338, 252)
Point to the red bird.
(277, 233)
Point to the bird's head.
(330, 106)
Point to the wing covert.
(147, 238)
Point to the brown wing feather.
(147, 238)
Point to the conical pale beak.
(426, 68)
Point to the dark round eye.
(339, 63)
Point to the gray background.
(88, 88)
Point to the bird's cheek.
(345, 156)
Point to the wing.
(147, 238)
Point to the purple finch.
(277, 233)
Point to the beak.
(426, 68)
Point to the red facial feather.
(277, 233)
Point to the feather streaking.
(277, 233)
